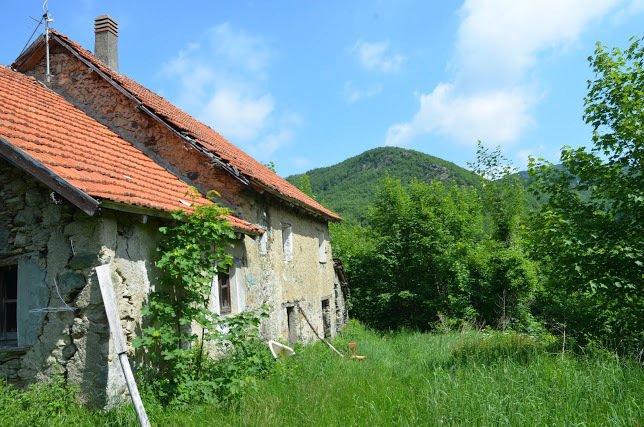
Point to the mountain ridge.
(348, 187)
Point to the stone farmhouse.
(91, 164)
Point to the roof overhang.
(81, 199)
(46, 176)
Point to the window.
(223, 284)
(263, 243)
(8, 304)
(326, 318)
(322, 246)
(292, 326)
(287, 242)
(263, 239)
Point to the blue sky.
(308, 83)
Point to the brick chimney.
(106, 33)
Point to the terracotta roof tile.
(84, 152)
(207, 137)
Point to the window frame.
(8, 338)
(322, 255)
(224, 288)
(287, 242)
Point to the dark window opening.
(292, 333)
(326, 318)
(223, 281)
(8, 304)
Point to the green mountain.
(349, 187)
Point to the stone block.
(51, 214)
(18, 186)
(15, 203)
(79, 327)
(4, 240)
(20, 240)
(69, 351)
(25, 216)
(33, 197)
(82, 261)
(70, 284)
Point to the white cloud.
(238, 48)
(301, 162)
(354, 94)
(492, 91)
(500, 40)
(271, 143)
(377, 56)
(498, 116)
(221, 79)
(279, 135)
(236, 115)
(541, 151)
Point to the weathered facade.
(52, 235)
(61, 327)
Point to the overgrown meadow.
(468, 378)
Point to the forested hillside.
(349, 187)
(565, 257)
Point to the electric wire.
(32, 35)
(54, 309)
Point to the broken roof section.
(231, 158)
(80, 158)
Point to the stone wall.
(56, 248)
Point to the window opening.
(263, 243)
(292, 333)
(322, 247)
(287, 242)
(9, 304)
(326, 318)
(223, 283)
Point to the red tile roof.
(206, 136)
(84, 152)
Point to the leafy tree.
(503, 286)
(271, 166)
(502, 192)
(504, 279)
(413, 266)
(590, 231)
(303, 182)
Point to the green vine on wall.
(180, 325)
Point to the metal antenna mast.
(47, 19)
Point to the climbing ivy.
(181, 329)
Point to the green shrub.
(35, 406)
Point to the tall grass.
(413, 379)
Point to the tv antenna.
(47, 19)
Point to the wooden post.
(297, 304)
(104, 275)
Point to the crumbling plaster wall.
(269, 278)
(264, 278)
(56, 248)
